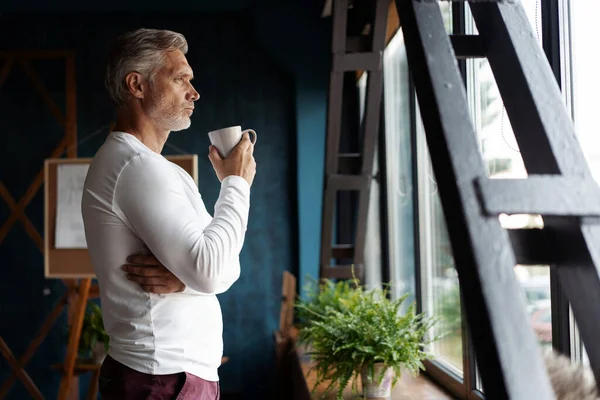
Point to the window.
(440, 292)
(584, 33)
(399, 170)
(406, 153)
(579, 63)
(420, 256)
(418, 237)
(501, 155)
(373, 252)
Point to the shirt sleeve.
(152, 199)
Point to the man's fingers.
(146, 280)
(143, 260)
(213, 155)
(245, 143)
(161, 289)
(150, 270)
(155, 289)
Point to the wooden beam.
(39, 338)
(39, 86)
(351, 61)
(467, 46)
(33, 233)
(18, 210)
(379, 36)
(5, 70)
(18, 214)
(340, 20)
(340, 251)
(504, 343)
(348, 182)
(538, 195)
(29, 195)
(68, 121)
(23, 376)
(327, 227)
(74, 335)
(334, 118)
(4, 194)
(341, 271)
(349, 163)
(13, 217)
(393, 24)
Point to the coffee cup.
(226, 139)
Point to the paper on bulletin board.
(70, 233)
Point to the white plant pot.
(374, 390)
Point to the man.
(163, 318)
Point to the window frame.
(555, 45)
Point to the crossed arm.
(185, 251)
(151, 275)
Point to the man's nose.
(194, 95)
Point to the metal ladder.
(559, 187)
(351, 172)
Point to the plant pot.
(99, 353)
(372, 389)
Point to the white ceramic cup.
(226, 139)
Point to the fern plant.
(349, 328)
(92, 331)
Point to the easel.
(69, 265)
(78, 292)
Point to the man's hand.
(151, 275)
(240, 162)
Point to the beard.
(167, 114)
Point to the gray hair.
(139, 51)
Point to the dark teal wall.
(303, 46)
(266, 69)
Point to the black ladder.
(351, 172)
(559, 187)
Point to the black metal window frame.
(465, 387)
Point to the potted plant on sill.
(93, 342)
(351, 332)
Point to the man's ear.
(134, 82)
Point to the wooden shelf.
(79, 368)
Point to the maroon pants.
(119, 382)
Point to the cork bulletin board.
(66, 256)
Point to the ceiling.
(144, 5)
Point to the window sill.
(408, 387)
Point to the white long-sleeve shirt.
(132, 198)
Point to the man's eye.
(179, 79)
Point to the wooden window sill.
(408, 387)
